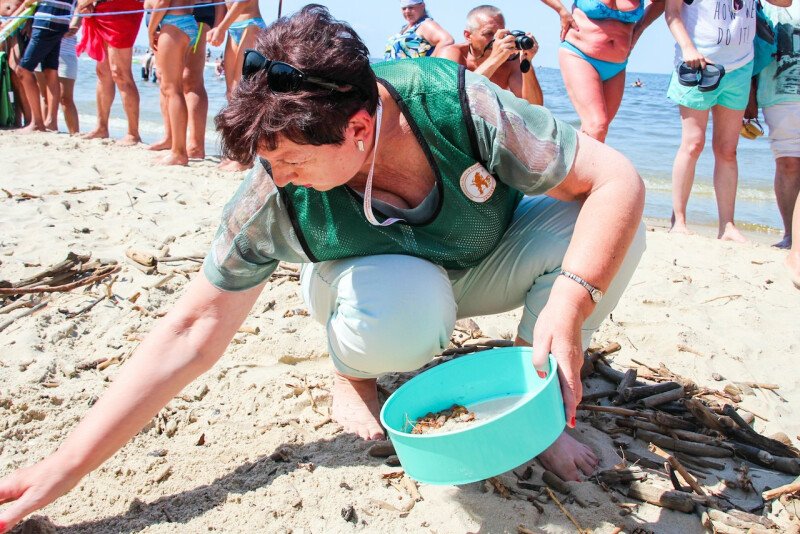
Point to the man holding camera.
(501, 55)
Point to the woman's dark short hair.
(319, 45)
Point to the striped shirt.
(53, 14)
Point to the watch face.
(597, 295)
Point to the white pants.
(390, 313)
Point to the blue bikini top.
(597, 10)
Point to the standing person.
(419, 37)
(712, 74)
(241, 24)
(171, 34)
(194, 89)
(490, 50)
(67, 74)
(596, 40)
(14, 47)
(50, 23)
(109, 40)
(779, 96)
(457, 236)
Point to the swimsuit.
(408, 43)
(596, 10)
(185, 23)
(203, 15)
(236, 30)
(606, 69)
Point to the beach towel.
(7, 115)
(118, 31)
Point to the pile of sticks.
(75, 271)
(688, 428)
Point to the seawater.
(647, 130)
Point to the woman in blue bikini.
(241, 24)
(596, 40)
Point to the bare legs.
(115, 70)
(68, 105)
(234, 59)
(194, 91)
(171, 57)
(727, 125)
(40, 122)
(693, 139)
(787, 189)
(595, 101)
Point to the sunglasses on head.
(282, 77)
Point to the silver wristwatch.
(593, 291)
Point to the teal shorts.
(733, 91)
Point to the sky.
(375, 20)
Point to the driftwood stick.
(86, 308)
(670, 421)
(99, 275)
(763, 458)
(677, 466)
(637, 459)
(703, 414)
(27, 312)
(635, 393)
(787, 489)
(565, 511)
(752, 518)
(555, 482)
(666, 498)
(702, 462)
(699, 449)
(628, 379)
(741, 525)
(663, 398)
(71, 261)
(768, 444)
(20, 303)
(685, 435)
(591, 397)
(626, 412)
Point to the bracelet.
(595, 293)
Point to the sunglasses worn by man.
(285, 78)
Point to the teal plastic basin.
(529, 416)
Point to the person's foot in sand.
(32, 128)
(129, 140)
(356, 407)
(568, 458)
(196, 152)
(164, 144)
(172, 159)
(231, 166)
(785, 243)
(97, 133)
(679, 227)
(730, 233)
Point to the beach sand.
(208, 461)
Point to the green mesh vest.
(474, 211)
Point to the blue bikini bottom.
(185, 23)
(236, 30)
(606, 69)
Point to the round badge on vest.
(477, 183)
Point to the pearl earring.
(360, 144)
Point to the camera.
(522, 41)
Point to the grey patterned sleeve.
(254, 235)
(523, 146)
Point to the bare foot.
(793, 264)
(97, 133)
(231, 166)
(785, 243)
(32, 128)
(355, 406)
(129, 140)
(731, 233)
(172, 159)
(568, 457)
(164, 144)
(680, 228)
(196, 153)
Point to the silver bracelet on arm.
(595, 293)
